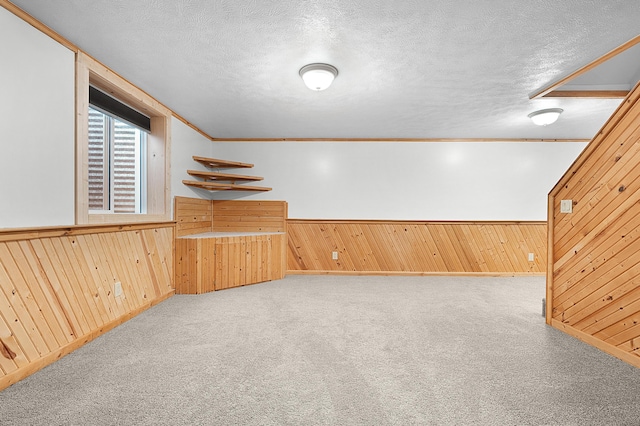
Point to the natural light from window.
(117, 167)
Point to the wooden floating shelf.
(214, 186)
(231, 178)
(215, 163)
(222, 176)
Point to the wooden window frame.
(90, 71)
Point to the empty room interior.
(320, 212)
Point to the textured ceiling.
(408, 68)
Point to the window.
(117, 165)
(122, 149)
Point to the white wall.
(406, 180)
(36, 127)
(331, 180)
(185, 143)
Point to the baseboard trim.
(410, 273)
(39, 364)
(604, 347)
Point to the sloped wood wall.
(371, 247)
(57, 288)
(593, 283)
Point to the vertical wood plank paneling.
(415, 247)
(594, 279)
(208, 264)
(57, 288)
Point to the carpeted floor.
(319, 350)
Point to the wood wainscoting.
(416, 248)
(57, 288)
(593, 280)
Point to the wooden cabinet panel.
(216, 263)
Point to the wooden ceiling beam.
(540, 93)
(594, 94)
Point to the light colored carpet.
(317, 350)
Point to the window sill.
(126, 218)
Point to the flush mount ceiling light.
(318, 76)
(544, 117)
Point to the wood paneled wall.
(372, 247)
(57, 288)
(593, 283)
(192, 215)
(249, 216)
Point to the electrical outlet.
(334, 255)
(117, 289)
(532, 257)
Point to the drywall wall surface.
(406, 180)
(37, 79)
(185, 143)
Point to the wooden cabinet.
(228, 243)
(215, 261)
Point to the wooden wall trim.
(417, 274)
(549, 286)
(15, 234)
(422, 140)
(38, 25)
(417, 222)
(416, 247)
(593, 341)
(69, 45)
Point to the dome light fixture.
(318, 76)
(544, 117)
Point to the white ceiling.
(408, 68)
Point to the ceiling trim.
(545, 90)
(38, 25)
(394, 140)
(193, 126)
(66, 43)
(595, 94)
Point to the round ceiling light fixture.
(544, 117)
(318, 76)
